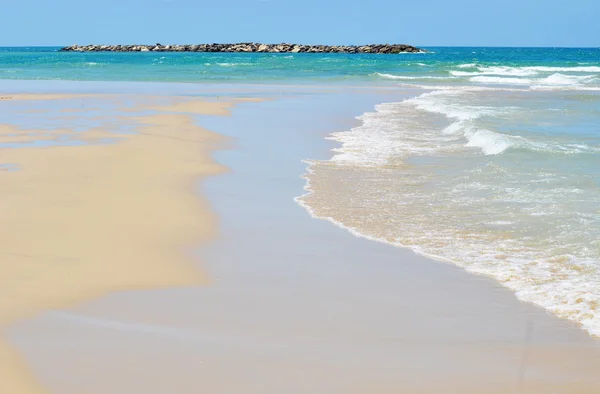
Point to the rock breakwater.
(249, 47)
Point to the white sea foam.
(465, 88)
(501, 80)
(501, 223)
(447, 102)
(508, 71)
(493, 143)
(584, 69)
(355, 151)
(464, 73)
(489, 142)
(498, 70)
(576, 87)
(383, 136)
(562, 79)
(493, 74)
(234, 64)
(408, 77)
(505, 73)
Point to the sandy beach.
(99, 212)
(141, 256)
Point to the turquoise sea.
(48, 63)
(492, 164)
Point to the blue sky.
(417, 22)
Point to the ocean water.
(493, 165)
(441, 64)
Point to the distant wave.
(493, 143)
(586, 69)
(234, 64)
(408, 77)
(554, 80)
(489, 141)
(562, 79)
(467, 65)
(496, 70)
(519, 71)
(501, 80)
(443, 102)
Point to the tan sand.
(78, 222)
(209, 107)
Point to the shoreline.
(308, 191)
(299, 305)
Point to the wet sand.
(81, 221)
(297, 305)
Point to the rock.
(249, 47)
